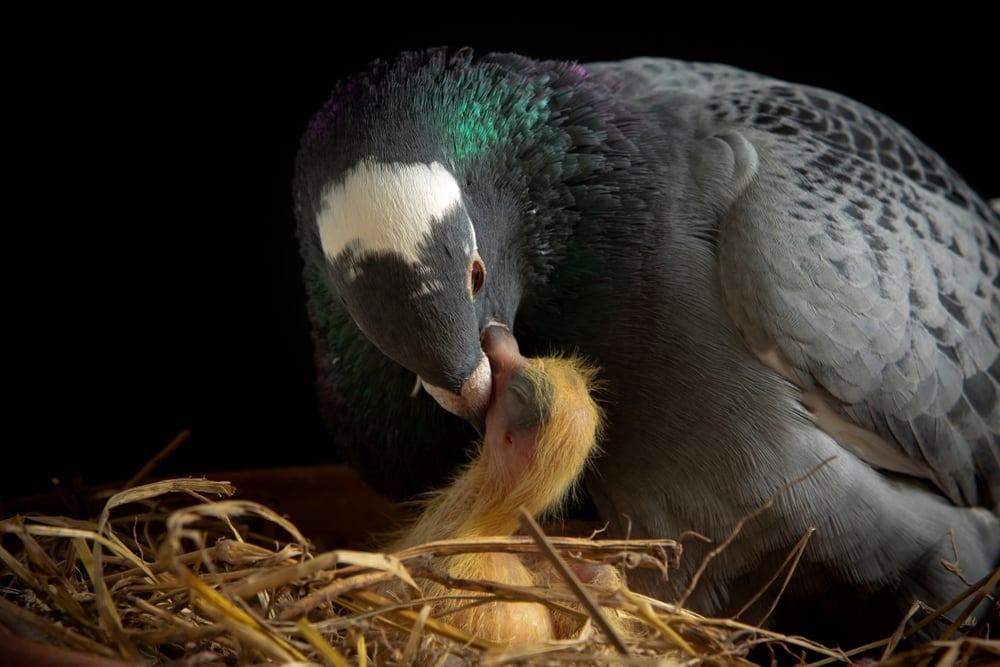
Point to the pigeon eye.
(477, 275)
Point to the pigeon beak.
(501, 357)
(473, 398)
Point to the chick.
(542, 426)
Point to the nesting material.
(182, 573)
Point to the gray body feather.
(853, 267)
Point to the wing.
(853, 260)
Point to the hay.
(180, 572)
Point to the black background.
(152, 274)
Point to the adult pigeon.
(769, 275)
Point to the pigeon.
(793, 302)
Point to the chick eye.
(477, 275)
(520, 404)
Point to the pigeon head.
(434, 193)
(404, 258)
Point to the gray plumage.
(785, 276)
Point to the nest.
(181, 572)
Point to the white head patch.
(386, 207)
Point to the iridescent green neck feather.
(478, 113)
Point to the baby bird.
(542, 426)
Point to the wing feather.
(854, 250)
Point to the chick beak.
(501, 349)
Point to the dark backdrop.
(152, 272)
